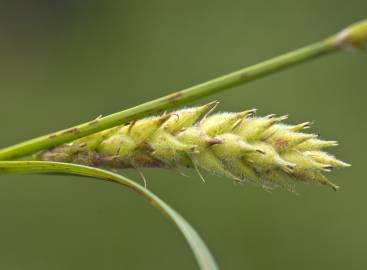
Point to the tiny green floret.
(239, 146)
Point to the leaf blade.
(202, 254)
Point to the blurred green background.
(66, 62)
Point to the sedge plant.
(240, 145)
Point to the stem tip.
(354, 36)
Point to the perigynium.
(239, 146)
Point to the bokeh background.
(66, 62)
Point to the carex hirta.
(239, 146)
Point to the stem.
(353, 36)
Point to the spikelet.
(239, 146)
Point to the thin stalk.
(353, 36)
(202, 254)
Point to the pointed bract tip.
(346, 165)
(299, 127)
(238, 180)
(282, 118)
(270, 116)
(334, 143)
(342, 164)
(328, 168)
(247, 113)
(305, 125)
(276, 119)
(211, 105)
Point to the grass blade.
(198, 247)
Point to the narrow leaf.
(198, 247)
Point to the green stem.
(353, 36)
(200, 250)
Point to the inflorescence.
(239, 146)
